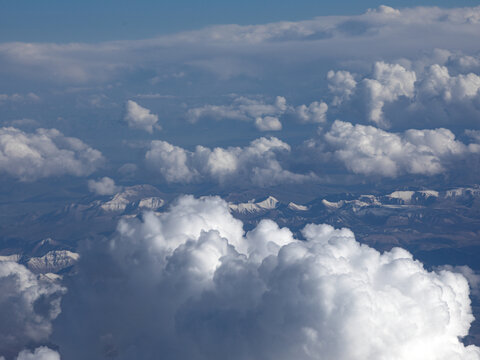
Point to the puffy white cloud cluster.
(46, 152)
(103, 186)
(437, 82)
(192, 285)
(141, 118)
(372, 151)
(431, 92)
(256, 163)
(28, 305)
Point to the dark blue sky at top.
(103, 20)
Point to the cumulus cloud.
(196, 286)
(41, 353)
(389, 82)
(103, 186)
(256, 163)
(372, 151)
(141, 118)
(264, 116)
(28, 305)
(438, 82)
(316, 112)
(44, 153)
(342, 84)
(268, 123)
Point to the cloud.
(197, 287)
(372, 151)
(141, 118)
(103, 186)
(342, 84)
(264, 116)
(30, 97)
(390, 81)
(256, 163)
(41, 353)
(28, 305)
(438, 82)
(316, 112)
(44, 153)
(268, 123)
(428, 94)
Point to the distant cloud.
(264, 115)
(372, 151)
(103, 186)
(256, 163)
(44, 153)
(30, 97)
(198, 287)
(141, 118)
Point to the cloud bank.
(197, 287)
(44, 153)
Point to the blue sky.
(100, 20)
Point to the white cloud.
(372, 151)
(256, 163)
(197, 287)
(28, 305)
(103, 186)
(438, 82)
(316, 112)
(268, 123)
(41, 353)
(46, 152)
(264, 115)
(342, 84)
(140, 118)
(390, 81)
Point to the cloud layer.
(196, 286)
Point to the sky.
(248, 180)
(106, 20)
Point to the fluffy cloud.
(197, 287)
(372, 151)
(28, 305)
(41, 353)
(265, 116)
(140, 118)
(256, 163)
(316, 112)
(46, 152)
(103, 186)
(342, 84)
(390, 81)
(438, 82)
